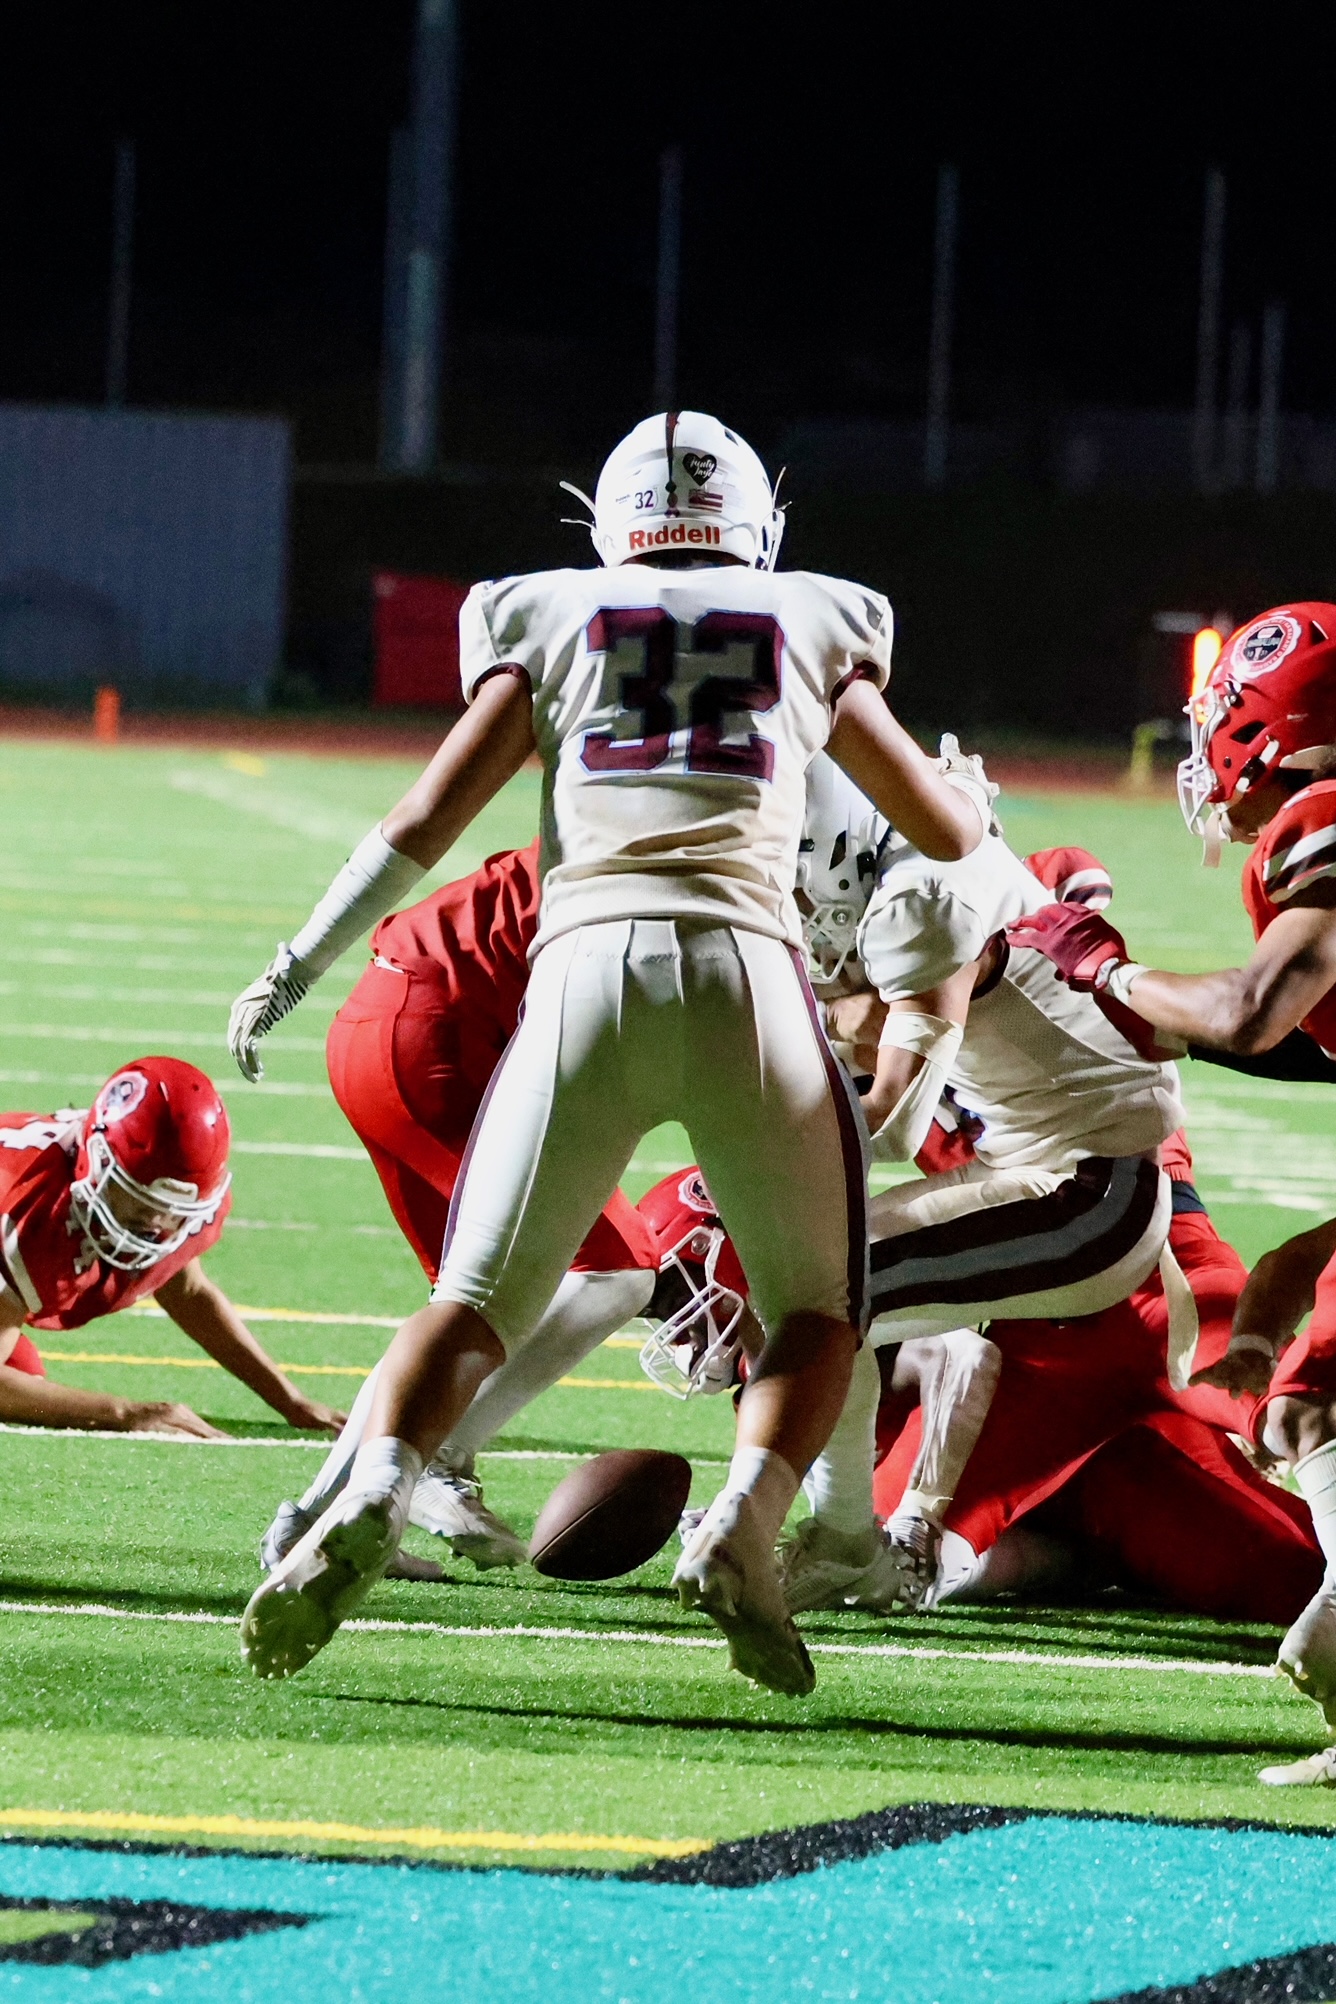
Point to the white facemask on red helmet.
(1268, 705)
(695, 1347)
(684, 482)
(152, 1163)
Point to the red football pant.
(25, 1357)
(410, 1065)
(1173, 1509)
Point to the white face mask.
(133, 1225)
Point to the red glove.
(1083, 946)
(1084, 949)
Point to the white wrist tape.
(1124, 974)
(373, 881)
(936, 1041)
(918, 1503)
(1262, 1344)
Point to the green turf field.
(511, 1719)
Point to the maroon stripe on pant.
(1010, 1225)
(851, 1149)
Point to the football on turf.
(610, 1514)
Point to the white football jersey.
(676, 712)
(1049, 1075)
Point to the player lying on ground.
(1263, 745)
(1086, 1452)
(675, 710)
(1063, 1208)
(104, 1208)
(411, 1054)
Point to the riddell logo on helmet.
(121, 1095)
(1265, 645)
(681, 532)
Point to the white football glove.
(967, 773)
(266, 1002)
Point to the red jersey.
(1293, 851)
(44, 1256)
(473, 936)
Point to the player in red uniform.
(104, 1208)
(1261, 770)
(411, 1054)
(1086, 1439)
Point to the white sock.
(386, 1467)
(585, 1309)
(1315, 1474)
(334, 1468)
(838, 1485)
(769, 1485)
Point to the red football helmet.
(701, 1290)
(1268, 704)
(1075, 876)
(152, 1163)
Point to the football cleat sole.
(763, 1644)
(1316, 1771)
(325, 1578)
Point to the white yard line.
(224, 1085)
(88, 1033)
(49, 1433)
(910, 1652)
(318, 1151)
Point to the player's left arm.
(200, 1308)
(958, 1377)
(487, 747)
(942, 821)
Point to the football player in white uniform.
(676, 698)
(1065, 1208)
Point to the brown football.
(610, 1514)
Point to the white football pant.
(630, 1023)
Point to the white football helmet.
(683, 481)
(843, 841)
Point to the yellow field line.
(142, 1823)
(305, 1370)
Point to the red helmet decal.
(1259, 648)
(120, 1096)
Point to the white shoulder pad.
(926, 920)
(860, 623)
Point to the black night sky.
(812, 137)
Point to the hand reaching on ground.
(166, 1416)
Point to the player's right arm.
(26, 1400)
(486, 747)
(879, 756)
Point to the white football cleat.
(324, 1578)
(448, 1503)
(1316, 1771)
(729, 1573)
(821, 1568)
(291, 1522)
(1308, 1653)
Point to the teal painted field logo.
(926, 1904)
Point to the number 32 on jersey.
(681, 688)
